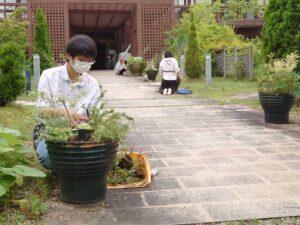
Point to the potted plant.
(82, 157)
(136, 66)
(276, 86)
(151, 71)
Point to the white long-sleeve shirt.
(80, 95)
(169, 68)
(119, 67)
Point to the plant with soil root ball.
(125, 170)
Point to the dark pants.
(121, 72)
(173, 84)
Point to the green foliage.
(107, 125)
(15, 30)
(42, 43)
(278, 77)
(58, 129)
(119, 175)
(178, 36)
(193, 62)
(136, 65)
(12, 81)
(11, 174)
(281, 30)
(238, 9)
(211, 36)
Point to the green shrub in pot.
(136, 66)
(82, 161)
(277, 84)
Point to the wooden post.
(251, 63)
(224, 59)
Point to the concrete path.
(215, 163)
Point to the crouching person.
(120, 68)
(68, 81)
(170, 72)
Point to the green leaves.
(6, 181)
(23, 171)
(2, 190)
(10, 175)
(281, 30)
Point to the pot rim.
(85, 144)
(275, 94)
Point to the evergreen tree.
(193, 62)
(42, 43)
(12, 80)
(15, 30)
(281, 30)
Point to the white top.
(169, 68)
(79, 95)
(119, 66)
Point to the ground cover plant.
(24, 203)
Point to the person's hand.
(77, 119)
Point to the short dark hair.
(168, 54)
(82, 45)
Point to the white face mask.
(81, 67)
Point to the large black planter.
(82, 169)
(276, 107)
(151, 74)
(2, 102)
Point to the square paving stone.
(199, 161)
(165, 215)
(156, 163)
(220, 180)
(181, 171)
(252, 210)
(192, 195)
(124, 200)
(163, 184)
(170, 154)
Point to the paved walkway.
(215, 163)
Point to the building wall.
(146, 32)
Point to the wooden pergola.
(141, 23)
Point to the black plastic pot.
(82, 169)
(2, 103)
(151, 74)
(276, 107)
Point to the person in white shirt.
(170, 72)
(72, 82)
(120, 68)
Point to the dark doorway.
(101, 57)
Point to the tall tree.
(281, 30)
(42, 43)
(193, 62)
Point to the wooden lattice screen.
(55, 18)
(240, 58)
(156, 20)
